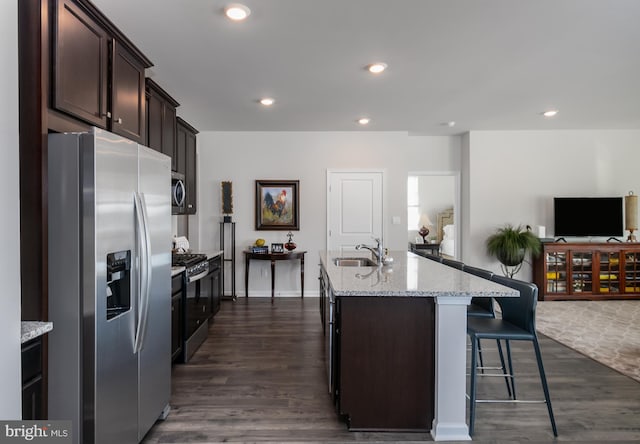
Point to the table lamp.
(424, 225)
(631, 215)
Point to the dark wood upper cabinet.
(182, 133)
(81, 59)
(154, 121)
(186, 152)
(191, 175)
(161, 121)
(128, 112)
(169, 134)
(98, 75)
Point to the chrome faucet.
(376, 252)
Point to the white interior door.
(354, 209)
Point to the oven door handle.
(197, 277)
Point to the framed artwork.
(277, 248)
(227, 200)
(277, 205)
(227, 197)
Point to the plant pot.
(511, 260)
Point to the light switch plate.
(396, 220)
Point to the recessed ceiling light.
(237, 12)
(377, 68)
(267, 101)
(363, 121)
(550, 113)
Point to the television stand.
(587, 271)
(614, 238)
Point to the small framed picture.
(277, 248)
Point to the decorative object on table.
(290, 245)
(264, 249)
(277, 205)
(227, 200)
(259, 246)
(631, 215)
(424, 224)
(277, 248)
(510, 245)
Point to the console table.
(273, 257)
(433, 248)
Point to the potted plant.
(510, 246)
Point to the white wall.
(512, 177)
(506, 177)
(10, 400)
(243, 157)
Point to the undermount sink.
(353, 262)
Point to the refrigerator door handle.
(145, 269)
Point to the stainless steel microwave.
(178, 193)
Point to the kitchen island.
(396, 342)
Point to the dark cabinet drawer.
(176, 326)
(32, 397)
(31, 360)
(176, 284)
(32, 383)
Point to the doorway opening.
(433, 200)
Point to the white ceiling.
(485, 64)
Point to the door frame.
(456, 203)
(383, 174)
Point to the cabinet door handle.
(107, 114)
(119, 120)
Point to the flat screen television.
(588, 216)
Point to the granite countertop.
(33, 329)
(409, 275)
(177, 270)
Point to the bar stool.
(517, 324)
(480, 307)
(484, 308)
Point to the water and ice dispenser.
(118, 283)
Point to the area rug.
(606, 331)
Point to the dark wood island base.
(386, 362)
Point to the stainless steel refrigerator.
(109, 286)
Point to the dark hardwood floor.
(260, 377)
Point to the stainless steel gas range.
(198, 290)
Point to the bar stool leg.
(545, 388)
(504, 369)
